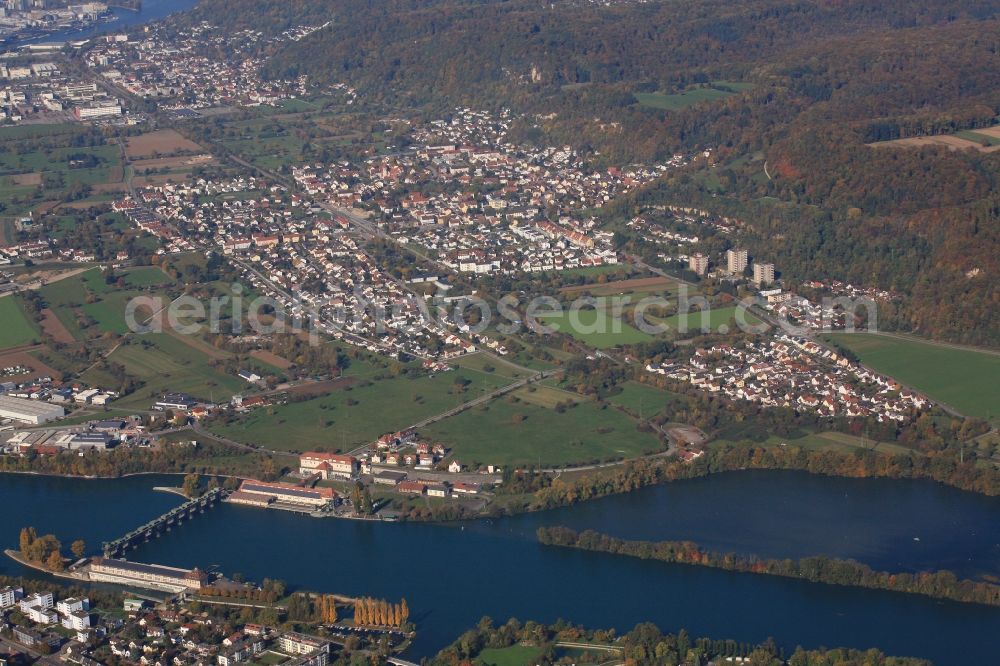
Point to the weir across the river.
(164, 523)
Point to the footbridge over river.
(164, 523)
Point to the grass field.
(543, 395)
(167, 364)
(518, 433)
(979, 137)
(68, 299)
(819, 441)
(692, 96)
(484, 363)
(693, 323)
(16, 328)
(146, 276)
(34, 172)
(596, 328)
(644, 400)
(515, 655)
(964, 379)
(345, 418)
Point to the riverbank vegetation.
(45, 551)
(561, 643)
(532, 491)
(816, 569)
(207, 457)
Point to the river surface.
(452, 575)
(152, 10)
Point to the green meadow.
(961, 378)
(16, 329)
(516, 432)
(358, 413)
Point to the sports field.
(15, 329)
(964, 379)
(518, 433)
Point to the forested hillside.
(818, 80)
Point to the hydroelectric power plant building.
(153, 576)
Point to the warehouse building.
(29, 411)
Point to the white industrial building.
(29, 411)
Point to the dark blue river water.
(452, 575)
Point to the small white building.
(77, 620)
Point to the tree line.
(644, 645)
(815, 569)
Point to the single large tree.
(55, 561)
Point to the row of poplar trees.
(379, 612)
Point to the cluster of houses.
(161, 636)
(179, 637)
(165, 65)
(522, 215)
(787, 371)
(33, 250)
(829, 313)
(333, 282)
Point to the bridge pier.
(164, 523)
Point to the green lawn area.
(717, 317)
(515, 655)
(517, 433)
(642, 399)
(69, 292)
(963, 379)
(170, 365)
(269, 658)
(38, 130)
(69, 297)
(596, 328)
(482, 363)
(344, 418)
(146, 276)
(600, 329)
(16, 329)
(544, 394)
